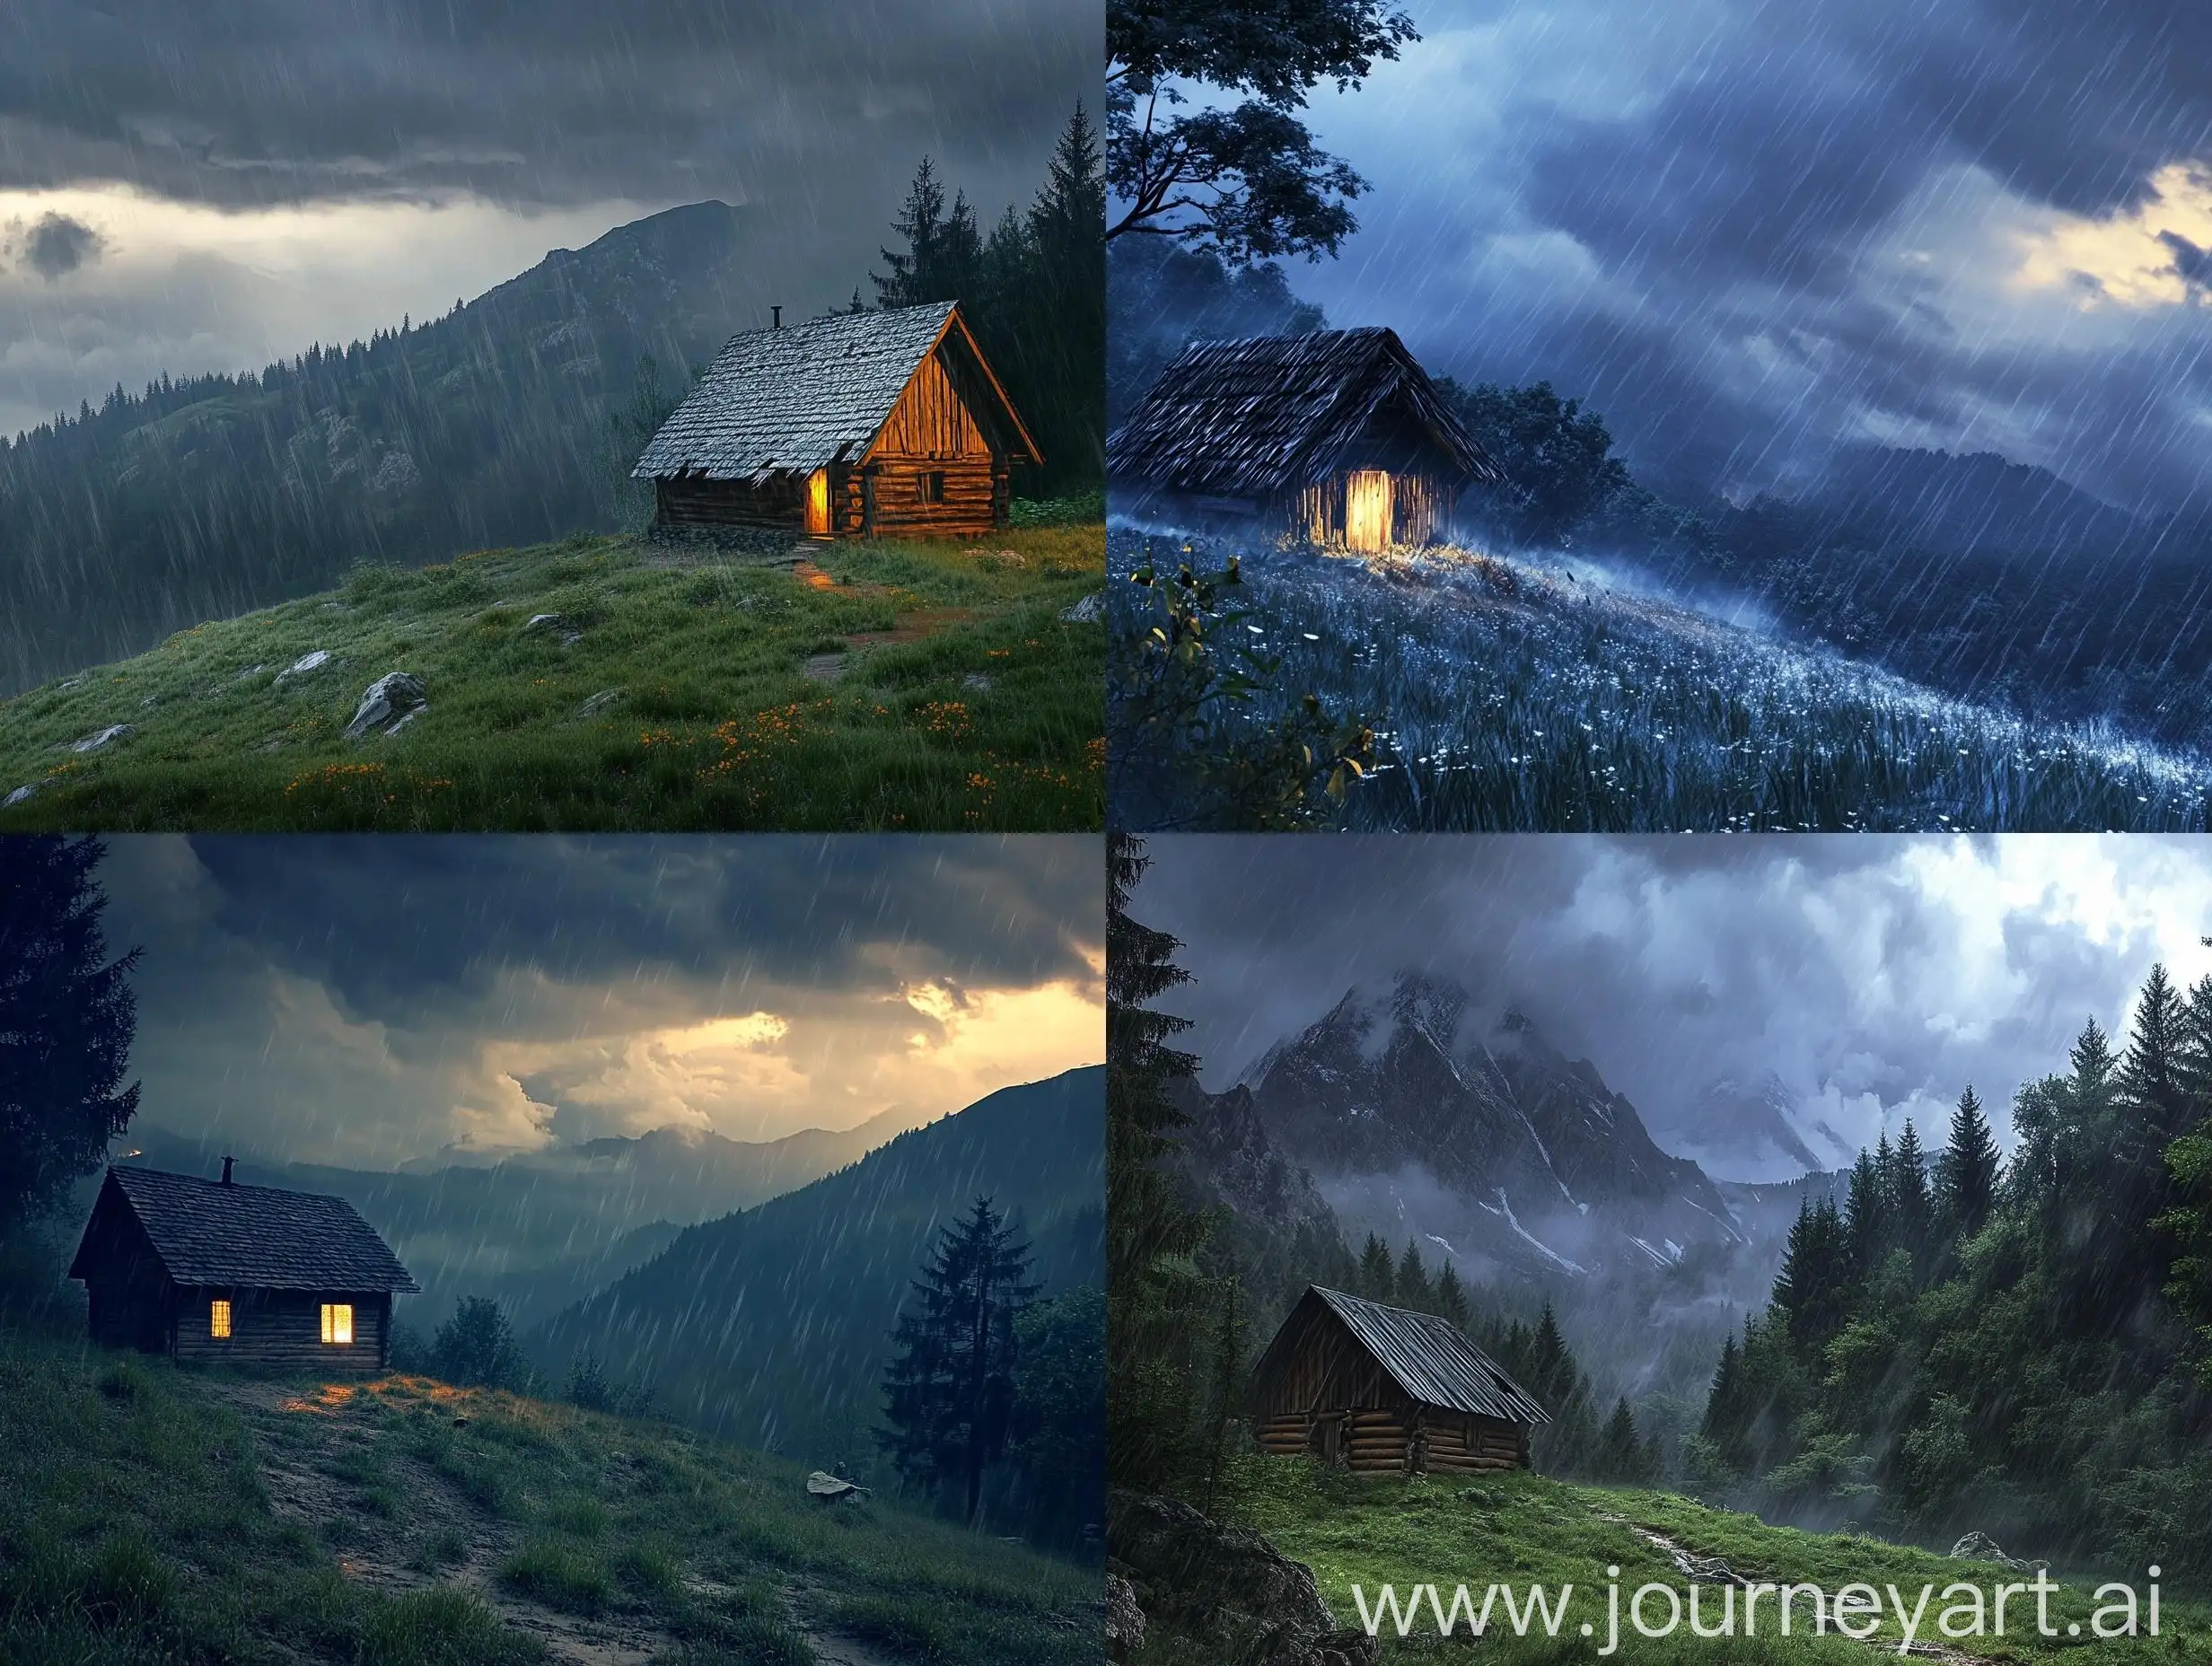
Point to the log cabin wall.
(282, 1330)
(778, 503)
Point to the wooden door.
(818, 503)
(1367, 509)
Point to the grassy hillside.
(878, 686)
(1373, 1531)
(773, 1326)
(154, 1515)
(1508, 697)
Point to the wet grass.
(1371, 1530)
(1507, 698)
(947, 693)
(136, 1525)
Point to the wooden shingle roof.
(207, 1233)
(1432, 1359)
(790, 401)
(1275, 413)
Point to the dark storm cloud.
(558, 102)
(403, 930)
(55, 245)
(1876, 975)
(1735, 175)
(376, 1000)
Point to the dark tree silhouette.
(1246, 180)
(948, 1392)
(66, 1020)
(476, 1347)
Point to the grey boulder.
(388, 704)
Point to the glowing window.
(337, 1322)
(218, 1318)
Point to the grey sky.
(1748, 229)
(1877, 976)
(375, 1000)
(219, 186)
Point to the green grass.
(1522, 1529)
(136, 1524)
(963, 700)
(1507, 698)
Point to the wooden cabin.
(224, 1274)
(1339, 438)
(1371, 1386)
(860, 425)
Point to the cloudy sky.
(185, 188)
(373, 1001)
(1748, 230)
(1876, 975)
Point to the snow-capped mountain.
(1410, 1108)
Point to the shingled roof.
(1432, 1359)
(207, 1233)
(1276, 413)
(790, 401)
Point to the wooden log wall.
(779, 503)
(968, 508)
(1474, 1444)
(1373, 1440)
(282, 1330)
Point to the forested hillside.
(511, 420)
(2017, 1347)
(773, 1326)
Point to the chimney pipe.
(226, 1170)
(777, 314)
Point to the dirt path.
(379, 1510)
(1712, 1570)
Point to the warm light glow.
(218, 1319)
(338, 1323)
(1367, 509)
(818, 501)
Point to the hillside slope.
(205, 498)
(602, 682)
(771, 1327)
(1371, 1532)
(1511, 697)
(155, 1515)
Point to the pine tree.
(1153, 1400)
(2152, 1076)
(1622, 1456)
(1452, 1297)
(949, 1391)
(1377, 1281)
(943, 260)
(1412, 1286)
(1866, 1222)
(1966, 1170)
(1908, 1199)
(66, 1020)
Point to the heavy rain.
(564, 1249)
(1844, 372)
(1709, 1212)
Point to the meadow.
(149, 1514)
(1525, 1528)
(1506, 696)
(607, 682)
